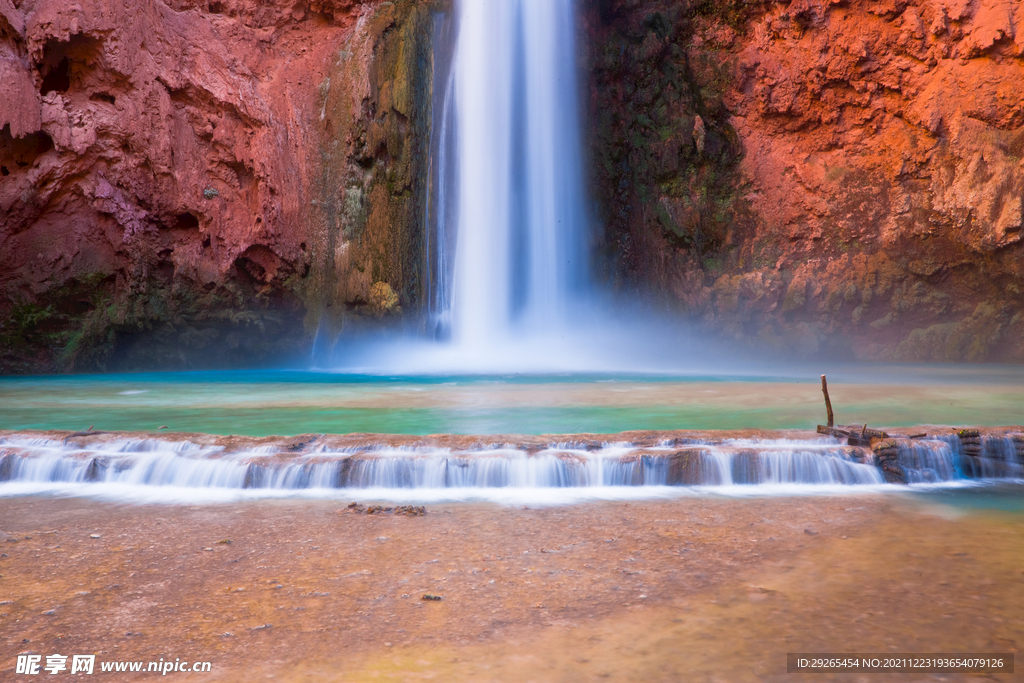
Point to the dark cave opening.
(186, 221)
(57, 79)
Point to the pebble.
(94, 536)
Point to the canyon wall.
(198, 183)
(840, 177)
(190, 183)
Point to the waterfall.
(518, 210)
(443, 181)
(507, 234)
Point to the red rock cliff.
(829, 176)
(172, 172)
(187, 183)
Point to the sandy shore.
(688, 589)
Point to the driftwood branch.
(828, 403)
(855, 435)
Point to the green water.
(992, 497)
(293, 402)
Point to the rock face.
(828, 177)
(183, 181)
(189, 183)
(369, 194)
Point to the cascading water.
(33, 464)
(506, 237)
(520, 250)
(443, 182)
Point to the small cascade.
(928, 461)
(952, 457)
(989, 456)
(800, 463)
(742, 463)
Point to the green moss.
(57, 326)
(652, 87)
(735, 13)
(714, 265)
(836, 173)
(796, 295)
(373, 166)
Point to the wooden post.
(828, 403)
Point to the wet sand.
(690, 589)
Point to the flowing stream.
(507, 272)
(736, 466)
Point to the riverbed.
(700, 589)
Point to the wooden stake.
(828, 403)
